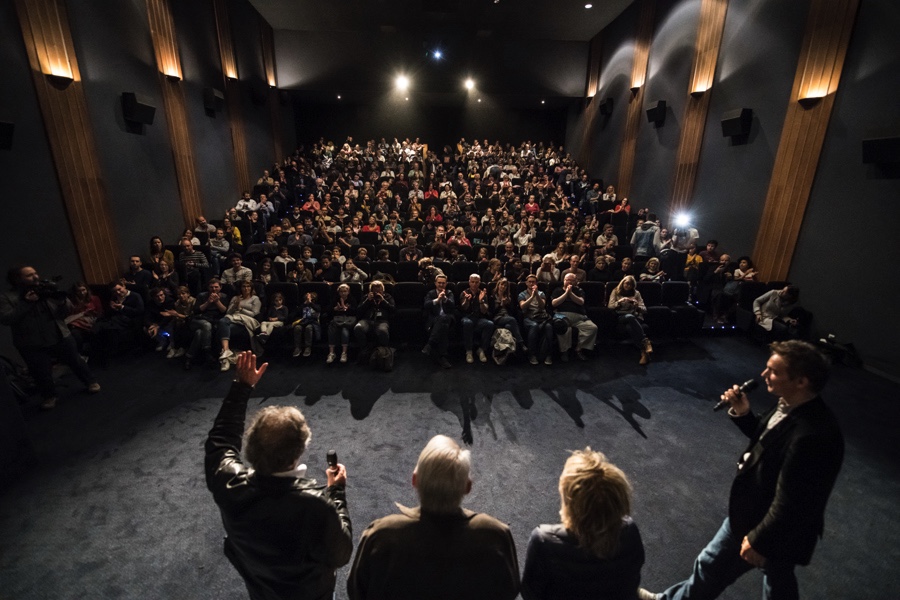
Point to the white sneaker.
(330, 359)
(296, 352)
(470, 358)
(482, 356)
(343, 357)
(548, 361)
(224, 365)
(307, 352)
(226, 354)
(160, 346)
(533, 360)
(171, 353)
(179, 353)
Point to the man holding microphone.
(784, 477)
(286, 535)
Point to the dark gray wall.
(844, 261)
(761, 43)
(210, 133)
(668, 76)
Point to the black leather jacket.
(286, 536)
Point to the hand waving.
(246, 369)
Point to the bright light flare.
(470, 84)
(682, 220)
(402, 83)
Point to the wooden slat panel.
(818, 74)
(706, 55)
(590, 110)
(162, 32)
(267, 40)
(48, 42)
(232, 97)
(594, 62)
(636, 102)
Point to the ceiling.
(535, 48)
(564, 20)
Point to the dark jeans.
(540, 338)
(40, 364)
(635, 328)
(720, 564)
(364, 329)
(439, 336)
(474, 325)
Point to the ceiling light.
(542, 102)
(469, 84)
(402, 82)
(479, 99)
(438, 55)
(589, 6)
(339, 96)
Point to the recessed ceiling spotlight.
(407, 98)
(589, 6)
(470, 84)
(402, 82)
(479, 99)
(438, 55)
(542, 102)
(339, 96)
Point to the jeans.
(338, 334)
(540, 338)
(510, 323)
(720, 564)
(364, 328)
(202, 337)
(439, 333)
(483, 327)
(40, 364)
(634, 327)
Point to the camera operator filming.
(34, 310)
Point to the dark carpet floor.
(117, 507)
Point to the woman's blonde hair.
(595, 496)
(621, 286)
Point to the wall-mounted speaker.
(6, 135)
(881, 151)
(606, 107)
(136, 109)
(259, 91)
(213, 99)
(737, 122)
(657, 114)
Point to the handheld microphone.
(331, 459)
(746, 387)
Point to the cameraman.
(35, 313)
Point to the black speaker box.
(213, 99)
(737, 122)
(881, 151)
(136, 109)
(259, 91)
(606, 107)
(6, 135)
(657, 114)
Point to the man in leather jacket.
(286, 535)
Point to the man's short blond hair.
(442, 475)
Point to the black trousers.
(40, 364)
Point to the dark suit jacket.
(779, 494)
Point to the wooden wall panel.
(232, 97)
(591, 106)
(168, 61)
(825, 44)
(693, 125)
(48, 42)
(594, 62)
(267, 40)
(636, 102)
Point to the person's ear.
(468, 486)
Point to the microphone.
(746, 387)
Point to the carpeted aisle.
(117, 507)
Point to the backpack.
(382, 358)
(503, 344)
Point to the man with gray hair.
(286, 534)
(438, 550)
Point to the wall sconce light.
(606, 107)
(698, 92)
(635, 89)
(172, 76)
(59, 81)
(810, 101)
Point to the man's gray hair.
(442, 475)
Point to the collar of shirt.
(298, 472)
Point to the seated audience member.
(711, 255)
(724, 301)
(410, 253)
(209, 308)
(158, 318)
(438, 550)
(568, 301)
(547, 272)
(601, 271)
(238, 272)
(630, 308)
(245, 204)
(516, 271)
(307, 328)
(652, 271)
(596, 552)
(286, 535)
(352, 273)
(530, 255)
(232, 235)
(625, 270)
(125, 316)
(493, 272)
(389, 238)
(274, 318)
(265, 272)
(362, 258)
(299, 273)
(502, 309)
(343, 318)
(560, 253)
(607, 236)
(774, 312)
(241, 313)
(374, 314)
(192, 262)
(327, 271)
(428, 272)
(474, 308)
(166, 277)
(284, 257)
(219, 244)
(440, 316)
(84, 308)
(137, 274)
(159, 252)
(574, 269)
(181, 332)
(691, 272)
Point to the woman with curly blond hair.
(596, 552)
